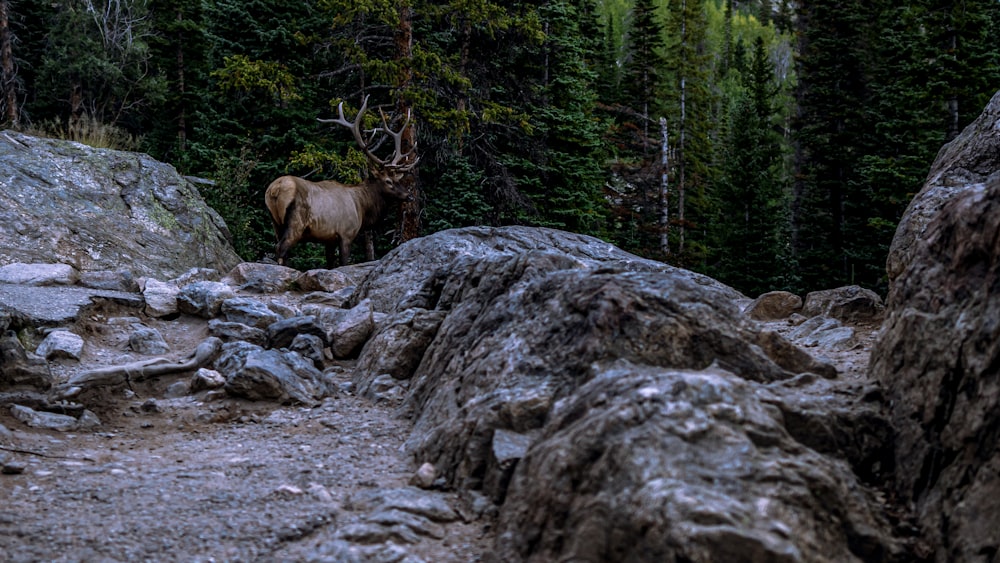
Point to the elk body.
(332, 213)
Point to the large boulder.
(414, 274)
(523, 326)
(938, 358)
(96, 209)
(967, 161)
(649, 465)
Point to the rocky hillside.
(560, 400)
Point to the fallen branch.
(139, 371)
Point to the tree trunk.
(683, 125)
(409, 211)
(8, 78)
(182, 110)
(664, 190)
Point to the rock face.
(651, 464)
(938, 359)
(94, 209)
(968, 160)
(620, 409)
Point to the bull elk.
(329, 212)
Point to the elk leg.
(345, 251)
(331, 250)
(285, 244)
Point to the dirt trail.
(190, 479)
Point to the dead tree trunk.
(8, 70)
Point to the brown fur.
(327, 212)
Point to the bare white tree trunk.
(664, 188)
(683, 126)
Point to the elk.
(329, 212)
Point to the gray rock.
(507, 449)
(262, 278)
(178, 389)
(272, 375)
(309, 346)
(522, 333)
(824, 332)
(103, 208)
(57, 306)
(237, 331)
(352, 330)
(337, 299)
(653, 464)
(121, 280)
(851, 304)
(937, 359)
(373, 533)
(20, 368)
(147, 341)
(398, 345)
(328, 281)
(38, 274)
(281, 334)
(413, 274)
(250, 312)
(424, 476)
(203, 298)
(409, 499)
(233, 356)
(161, 297)
(196, 274)
(46, 420)
(773, 305)
(967, 162)
(383, 388)
(393, 517)
(205, 379)
(841, 418)
(61, 344)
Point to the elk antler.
(392, 162)
(397, 153)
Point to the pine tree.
(750, 228)
(689, 103)
(641, 80)
(180, 50)
(831, 125)
(562, 177)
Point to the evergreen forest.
(771, 144)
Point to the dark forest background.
(772, 144)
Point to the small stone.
(424, 477)
(177, 389)
(13, 467)
(88, 420)
(206, 378)
(150, 406)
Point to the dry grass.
(87, 131)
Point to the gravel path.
(182, 480)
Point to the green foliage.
(245, 75)
(459, 200)
(750, 231)
(544, 113)
(230, 196)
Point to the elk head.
(389, 171)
